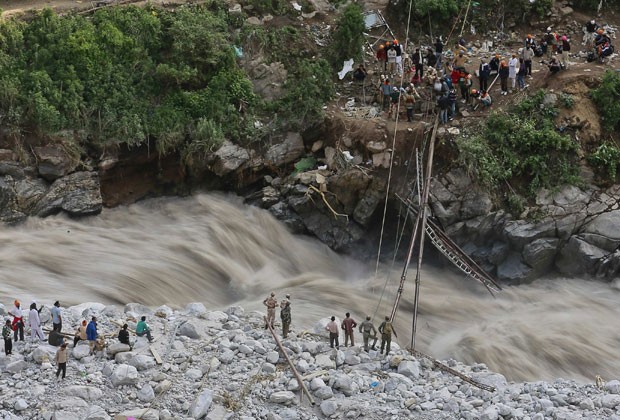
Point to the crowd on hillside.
(451, 73)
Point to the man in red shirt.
(348, 325)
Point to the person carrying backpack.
(386, 329)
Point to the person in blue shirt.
(91, 334)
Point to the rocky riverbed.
(225, 365)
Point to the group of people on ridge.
(447, 71)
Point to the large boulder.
(520, 232)
(578, 257)
(475, 203)
(28, 192)
(283, 397)
(291, 149)
(513, 271)
(540, 254)
(54, 162)
(9, 209)
(87, 393)
(228, 158)
(603, 231)
(202, 403)
(267, 79)
(78, 194)
(124, 375)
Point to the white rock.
(200, 406)
(188, 329)
(195, 308)
(142, 362)
(217, 316)
(44, 353)
(613, 387)
(610, 400)
(164, 312)
(138, 309)
(146, 393)
(324, 361)
(283, 397)
(490, 414)
(142, 414)
(65, 415)
(409, 368)
(87, 393)
(163, 386)
(586, 404)
(226, 357)
(193, 374)
(96, 413)
(124, 375)
(268, 368)
(329, 407)
(17, 366)
(81, 351)
(20, 405)
(316, 383)
(324, 392)
(302, 366)
(352, 359)
(235, 310)
(117, 348)
(272, 357)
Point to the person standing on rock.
(271, 303)
(91, 335)
(80, 334)
(348, 325)
(365, 328)
(143, 329)
(285, 315)
(6, 334)
(61, 360)
(386, 329)
(18, 320)
(36, 332)
(332, 327)
(56, 317)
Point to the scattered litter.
(347, 155)
(454, 131)
(258, 124)
(347, 66)
(296, 6)
(322, 167)
(350, 104)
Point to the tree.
(349, 35)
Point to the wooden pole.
(300, 381)
(422, 222)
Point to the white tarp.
(347, 66)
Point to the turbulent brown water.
(213, 249)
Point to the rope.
(389, 180)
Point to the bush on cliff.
(607, 99)
(133, 75)
(522, 145)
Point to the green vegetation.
(607, 99)
(484, 14)
(130, 75)
(522, 147)
(606, 160)
(348, 37)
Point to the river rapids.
(213, 249)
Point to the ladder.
(456, 255)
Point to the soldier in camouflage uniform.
(386, 329)
(365, 328)
(271, 303)
(285, 315)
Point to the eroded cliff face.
(338, 193)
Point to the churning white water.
(213, 249)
